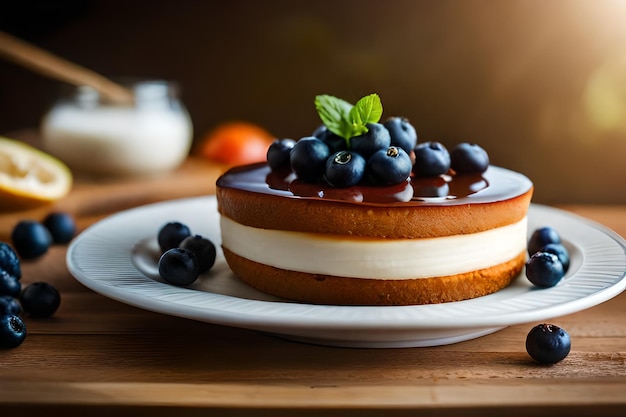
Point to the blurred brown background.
(540, 84)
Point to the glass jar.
(92, 135)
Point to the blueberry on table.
(61, 226)
(548, 344)
(469, 158)
(389, 166)
(31, 239)
(560, 251)
(544, 269)
(541, 237)
(9, 285)
(203, 249)
(179, 267)
(344, 169)
(12, 331)
(172, 234)
(9, 305)
(376, 138)
(278, 153)
(9, 260)
(431, 159)
(402, 133)
(308, 159)
(40, 300)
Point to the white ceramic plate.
(117, 257)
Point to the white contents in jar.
(153, 135)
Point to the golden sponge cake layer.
(503, 201)
(325, 289)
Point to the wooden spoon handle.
(53, 66)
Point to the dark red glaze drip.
(495, 184)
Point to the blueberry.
(544, 269)
(12, 331)
(560, 251)
(541, 237)
(9, 260)
(278, 153)
(345, 169)
(376, 138)
(40, 299)
(389, 166)
(402, 133)
(171, 234)
(179, 267)
(61, 226)
(548, 344)
(9, 285)
(203, 249)
(335, 142)
(31, 239)
(431, 159)
(9, 305)
(467, 158)
(308, 159)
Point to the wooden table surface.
(100, 357)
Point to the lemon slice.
(29, 177)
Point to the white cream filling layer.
(374, 258)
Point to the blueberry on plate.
(560, 251)
(31, 239)
(548, 344)
(40, 300)
(344, 169)
(431, 159)
(9, 260)
(61, 226)
(278, 153)
(541, 237)
(9, 305)
(203, 249)
(389, 166)
(12, 331)
(402, 133)
(544, 269)
(179, 267)
(469, 158)
(9, 285)
(308, 159)
(171, 234)
(376, 138)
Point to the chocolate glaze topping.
(495, 184)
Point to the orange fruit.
(236, 143)
(29, 177)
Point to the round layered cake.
(425, 240)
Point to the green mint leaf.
(346, 120)
(334, 113)
(369, 109)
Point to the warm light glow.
(605, 95)
(608, 15)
